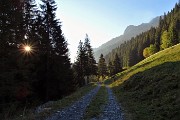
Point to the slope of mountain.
(149, 89)
(130, 31)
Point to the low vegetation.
(149, 90)
(97, 104)
(55, 106)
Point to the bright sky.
(103, 20)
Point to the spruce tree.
(79, 65)
(110, 68)
(102, 68)
(15, 69)
(56, 57)
(85, 64)
(165, 38)
(117, 64)
(90, 63)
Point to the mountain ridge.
(129, 32)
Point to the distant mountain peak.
(133, 30)
(155, 20)
(128, 29)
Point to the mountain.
(130, 31)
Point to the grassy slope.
(150, 89)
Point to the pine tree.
(14, 72)
(102, 68)
(79, 65)
(90, 63)
(165, 38)
(117, 64)
(133, 57)
(110, 68)
(56, 57)
(85, 64)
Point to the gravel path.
(112, 110)
(76, 111)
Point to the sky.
(103, 20)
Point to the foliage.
(146, 52)
(150, 51)
(117, 64)
(42, 74)
(114, 67)
(110, 68)
(166, 42)
(85, 64)
(102, 68)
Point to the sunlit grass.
(169, 55)
(150, 88)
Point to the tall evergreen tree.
(79, 65)
(85, 64)
(166, 42)
(14, 74)
(90, 66)
(54, 55)
(102, 67)
(110, 68)
(117, 64)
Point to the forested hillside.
(150, 42)
(129, 32)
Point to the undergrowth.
(56, 105)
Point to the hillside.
(130, 31)
(149, 89)
(158, 38)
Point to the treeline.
(44, 73)
(109, 69)
(137, 48)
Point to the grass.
(150, 89)
(57, 105)
(96, 106)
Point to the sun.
(27, 48)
